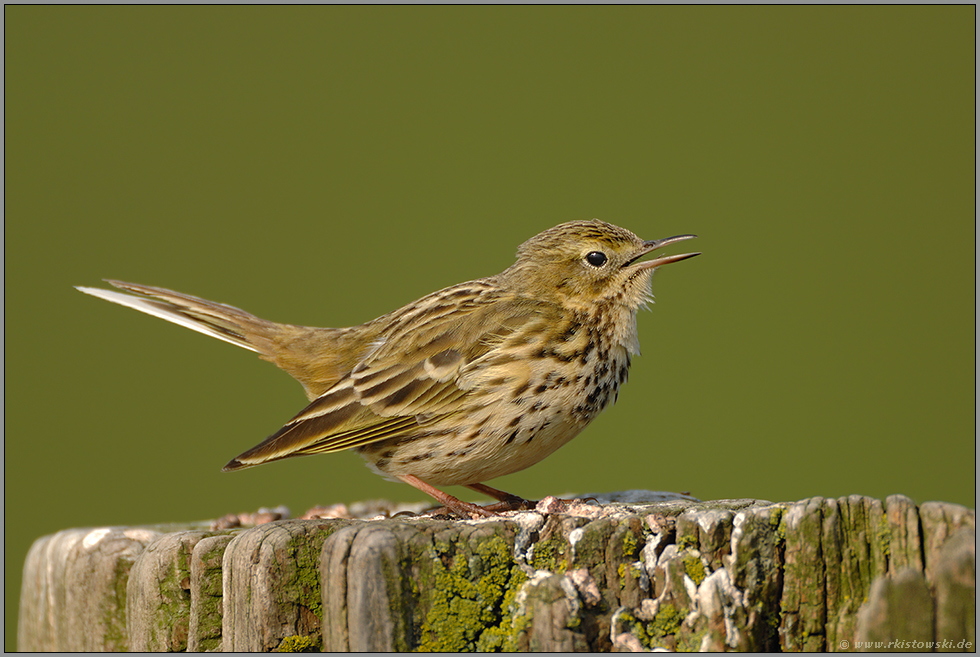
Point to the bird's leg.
(508, 501)
(511, 502)
(453, 504)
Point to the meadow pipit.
(466, 384)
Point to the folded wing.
(410, 379)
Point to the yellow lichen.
(298, 644)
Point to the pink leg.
(453, 504)
(508, 501)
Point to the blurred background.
(325, 165)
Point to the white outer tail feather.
(163, 310)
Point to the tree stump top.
(637, 570)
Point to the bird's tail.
(215, 319)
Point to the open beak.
(653, 245)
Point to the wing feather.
(411, 378)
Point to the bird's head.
(582, 263)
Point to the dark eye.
(596, 258)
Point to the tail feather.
(217, 320)
(316, 357)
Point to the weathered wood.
(899, 609)
(158, 604)
(73, 595)
(271, 584)
(204, 619)
(436, 585)
(361, 612)
(955, 583)
(819, 574)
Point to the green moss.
(209, 603)
(113, 610)
(298, 644)
(209, 622)
(778, 526)
(636, 628)
(781, 534)
(775, 620)
(306, 583)
(884, 537)
(686, 542)
(694, 568)
(173, 616)
(551, 555)
(503, 637)
(666, 622)
(470, 598)
(631, 547)
(776, 516)
(625, 569)
(591, 548)
(397, 604)
(691, 642)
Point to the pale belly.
(446, 460)
(508, 434)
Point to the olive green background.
(324, 165)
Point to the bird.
(467, 384)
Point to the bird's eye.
(596, 258)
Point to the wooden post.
(818, 574)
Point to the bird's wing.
(411, 376)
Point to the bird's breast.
(524, 400)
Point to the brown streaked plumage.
(469, 383)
